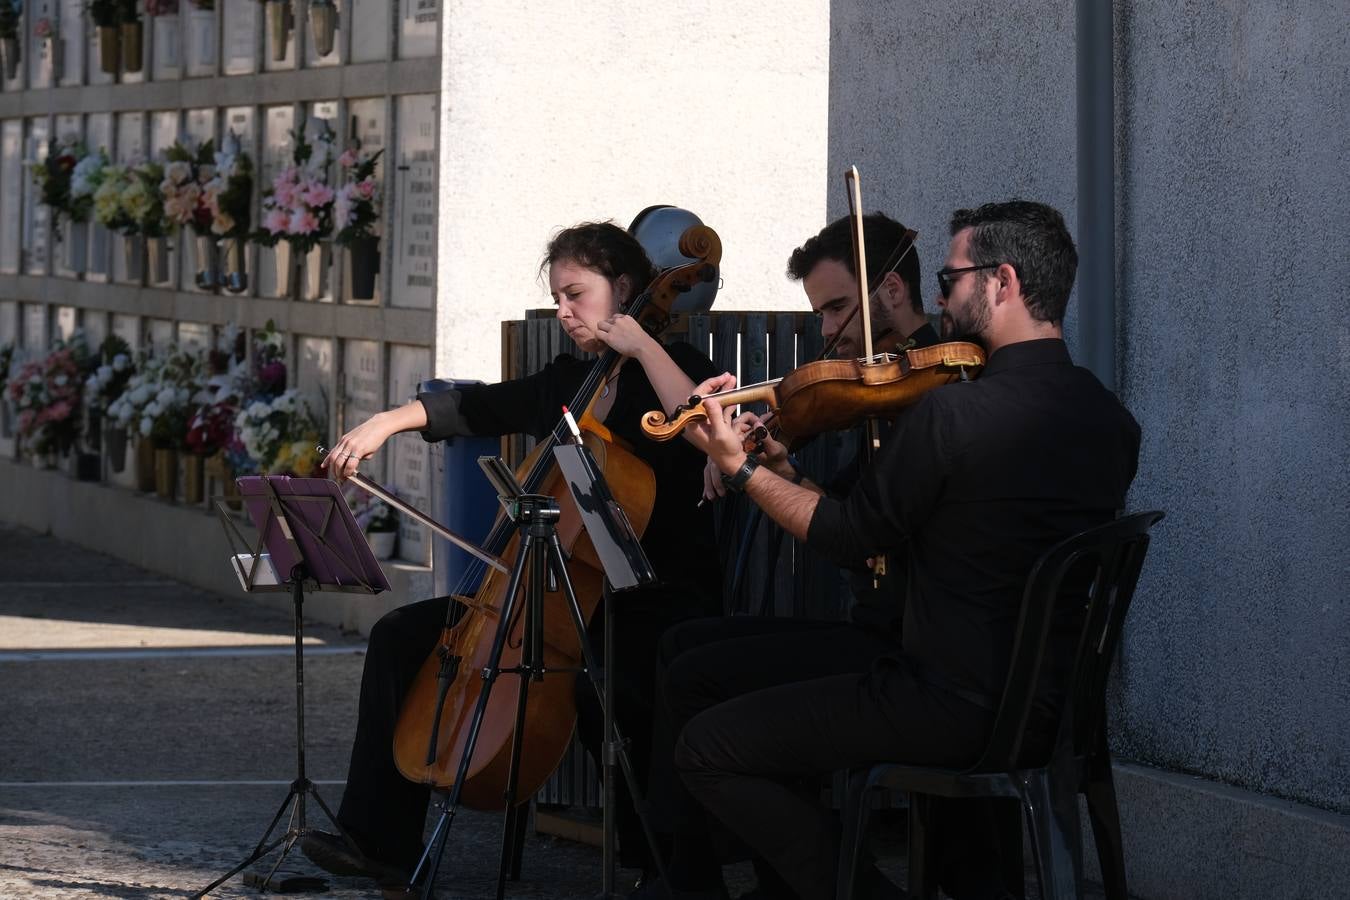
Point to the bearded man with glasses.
(977, 480)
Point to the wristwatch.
(738, 481)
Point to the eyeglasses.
(946, 281)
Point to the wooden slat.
(726, 328)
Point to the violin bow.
(851, 181)
(407, 509)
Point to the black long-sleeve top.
(679, 537)
(973, 485)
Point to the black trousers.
(705, 662)
(742, 759)
(386, 813)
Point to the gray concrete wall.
(945, 105)
(1233, 212)
(1234, 250)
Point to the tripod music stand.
(307, 539)
(626, 566)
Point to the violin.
(835, 394)
(434, 722)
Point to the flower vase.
(145, 465)
(9, 55)
(109, 48)
(194, 479)
(133, 45)
(208, 275)
(166, 473)
(317, 262)
(288, 282)
(279, 26)
(54, 54)
(93, 429)
(382, 543)
(323, 24)
(77, 246)
(157, 252)
(131, 252)
(235, 279)
(86, 466)
(115, 447)
(363, 264)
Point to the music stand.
(625, 565)
(307, 539)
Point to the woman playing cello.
(594, 270)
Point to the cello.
(433, 725)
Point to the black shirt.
(976, 481)
(878, 603)
(679, 531)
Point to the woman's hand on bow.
(361, 443)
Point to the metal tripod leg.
(614, 744)
(301, 786)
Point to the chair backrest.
(1093, 573)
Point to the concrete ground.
(147, 737)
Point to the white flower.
(120, 362)
(178, 172)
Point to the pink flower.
(43, 28)
(347, 159)
(366, 188)
(318, 194)
(276, 221)
(304, 223)
(284, 195)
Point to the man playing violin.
(594, 270)
(703, 662)
(976, 481)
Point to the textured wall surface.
(948, 105)
(1233, 283)
(560, 113)
(1234, 250)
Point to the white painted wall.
(556, 113)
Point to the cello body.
(550, 708)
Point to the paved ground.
(146, 738)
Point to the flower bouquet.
(102, 388)
(356, 209)
(281, 434)
(183, 190)
(229, 197)
(46, 393)
(298, 207)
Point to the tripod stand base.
(301, 788)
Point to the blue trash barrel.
(462, 498)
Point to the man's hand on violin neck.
(717, 436)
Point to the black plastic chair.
(1101, 565)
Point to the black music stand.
(626, 566)
(307, 540)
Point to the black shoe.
(333, 854)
